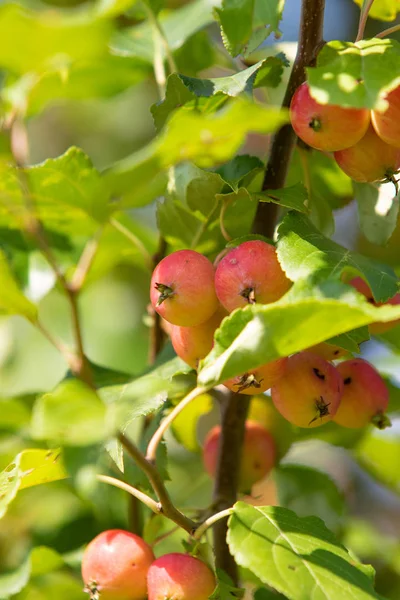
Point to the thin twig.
(200, 531)
(165, 423)
(310, 41)
(167, 508)
(85, 262)
(388, 31)
(222, 227)
(149, 502)
(135, 241)
(363, 20)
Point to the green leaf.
(14, 414)
(351, 340)
(225, 589)
(265, 594)
(379, 453)
(384, 10)
(359, 74)
(245, 24)
(304, 252)
(270, 74)
(12, 300)
(178, 26)
(309, 492)
(184, 426)
(213, 139)
(14, 582)
(196, 54)
(148, 393)
(240, 167)
(47, 36)
(305, 316)
(29, 468)
(90, 78)
(72, 415)
(378, 209)
(301, 554)
(294, 197)
(239, 212)
(67, 193)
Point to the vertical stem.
(310, 41)
(234, 408)
(363, 19)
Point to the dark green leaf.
(304, 252)
(12, 300)
(239, 168)
(378, 209)
(293, 197)
(301, 554)
(360, 73)
(196, 54)
(239, 212)
(265, 594)
(309, 492)
(225, 589)
(270, 74)
(351, 340)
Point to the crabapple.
(328, 351)
(263, 411)
(326, 126)
(258, 454)
(248, 274)
(182, 288)
(375, 328)
(194, 343)
(387, 123)
(309, 394)
(370, 159)
(115, 565)
(179, 577)
(365, 395)
(258, 380)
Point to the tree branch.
(310, 42)
(149, 502)
(166, 506)
(234, 408)
(363, 20)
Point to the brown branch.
(310, 42)
(166, 506)
(234, 408)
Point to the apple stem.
(310, 42)
(388, 31)
(363, 19)
(200, 531)
(165, 423)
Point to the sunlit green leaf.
(12, 300)
(301, 554)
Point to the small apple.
(178, 576)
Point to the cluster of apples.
(306, 388)
(119, 565)
(366, 144)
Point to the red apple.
(178, 576)
(326, 126)
(387, 123)
(258, 380)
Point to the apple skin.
(326, 127)
(309, 393)
(258, 380)
(376, 328)
(115, 564)
(180, 577)
(190, 297)
(365, 395)
(387, 123)
(328, 351)
(192, 344)
(370, 159)
(252, 269)
(259, 454)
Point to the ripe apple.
(248, 274)
(328, 351)
(326, 127)
(182, 288)
(370, 159)
(178, 576)
(115, 566)
(258, 454)
(365, 395)
(387, 123)
(194, 343)
(309, 393)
